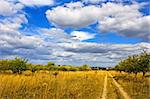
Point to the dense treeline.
(135, 64)
(18, 65)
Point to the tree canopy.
(135, 63)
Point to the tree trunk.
(135, 76)
(144, 74)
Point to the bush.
(85, 67)
(27, 73)
(18, 65)
(135, 63)
(8, 71)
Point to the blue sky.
(74, 32)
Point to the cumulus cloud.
(79, 35)
(37, 2)
(8, 8)
(14, 43)
(54, 34)
(54, 44)
(104, 48)
(74, 5)
(93, 1)
(76, 18)
(102, 54)
(83, 16)
(12, 24)
(113, 1)
(126, 20)
(127, 26)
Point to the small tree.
(85, 67)
(18, 65)
(144, 62)
(136, 63)
(50, 64)
(4, 65)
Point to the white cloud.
(103, 1)
(63, 54)
(93, 1)
(129, 27)
(101, 54)
(14, 43)
(70, 17)
(79, 35)
(84, 16)
(126, 20)
(8, 8)
(10, 25)
(37, 2)
(54, 44)
(104, 48)
(54, 35)
(74, 5)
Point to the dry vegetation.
(52, 85)
(137, 88)
(70, 85)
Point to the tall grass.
(71, 85)
(137, 88)
(52, 85)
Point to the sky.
(74, 32)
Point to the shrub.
(85, 67)
(27, 73)
(18, 65)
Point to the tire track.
(124, 94)
(104, 95)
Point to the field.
(73, 85)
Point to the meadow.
(71, 85)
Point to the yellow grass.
(70, 85)
(46, 85)
(137, 88)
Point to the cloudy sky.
(75, 32)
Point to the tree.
(144, 62)
(4, 65)
(50, 64)
(18, 65)
(85, 67)
(135, 63)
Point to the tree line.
(135, 63)
(18, 65)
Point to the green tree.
(51, 66)
(4, 65)
(85, 67)
(18, 65)
(144, 62)
(135, 63)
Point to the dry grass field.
(70, 85)
(137, 88)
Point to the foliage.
(135, 63)
(5, 65)
(50, 64)
(18, 65)
(85, 67)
